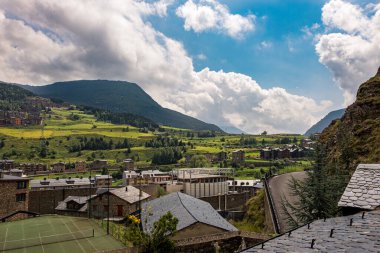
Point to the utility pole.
(108, 200)
(89, 198)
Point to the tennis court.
(54, 233)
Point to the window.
(20, 197)
(105, 208)
(21, 184)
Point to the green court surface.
(56, 234)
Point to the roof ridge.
(179, 197)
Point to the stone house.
(129, 164)
(120, 202)
(73, 206)
(14, 194)
(363, 190)
(58, 167)
(103, 181)
(32, 168)
(195, 217)
(238, 156)
(99, 164)
(80, 166)
(7, 164)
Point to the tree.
(317, 195)
(159, 239)
(264, 133)
(198, 161)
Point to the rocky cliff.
(355, 138)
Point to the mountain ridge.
(118, 96)
(325, 122)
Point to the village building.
(155, 176)
(120, 202)
(363, 190)
(7, 164)
(62, 183)
(14, 194)
(33, 169)
(73, 206)
(250, 186)
(103, 181)
(58, 167)
(238, 156)
(203, 182)
(130, 177)
(99, 164)
(80, 166)
(221, 156)
(195, 217)
(129, 164)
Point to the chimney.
(126, 188)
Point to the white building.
(203, 182)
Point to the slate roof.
(62, 182)
(187, 209)
(131, 195)
(363, 236)
(363, 190)
(62, 205)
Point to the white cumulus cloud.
(350, 47)
(205, 15)
(48, 41)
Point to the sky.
(274, 65)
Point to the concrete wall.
(235, 201)
(202, 189)
(45, 201)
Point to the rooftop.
(128, 193)
(62, 205)
(60, 182)
(362, 236)
(4, 177)
(187, 209)
(363, 190)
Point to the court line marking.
(5, 238)
(92, 245)
(80, 246)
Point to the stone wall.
(226, 246)
(8, 203)
(45, 201)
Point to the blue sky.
(257, 65)
(290, 62)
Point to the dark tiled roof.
(363, 190)
(363, 236)
(82, 200)
(187, 209)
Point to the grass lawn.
(56, 234)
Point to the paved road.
(279, 187)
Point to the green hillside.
(13, 97)
(121, 97)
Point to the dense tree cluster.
(120, 118)
(206, 134)
(248, 141)
(162, 141)
(168, 155)
(93, 143)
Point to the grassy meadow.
(60, 131)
